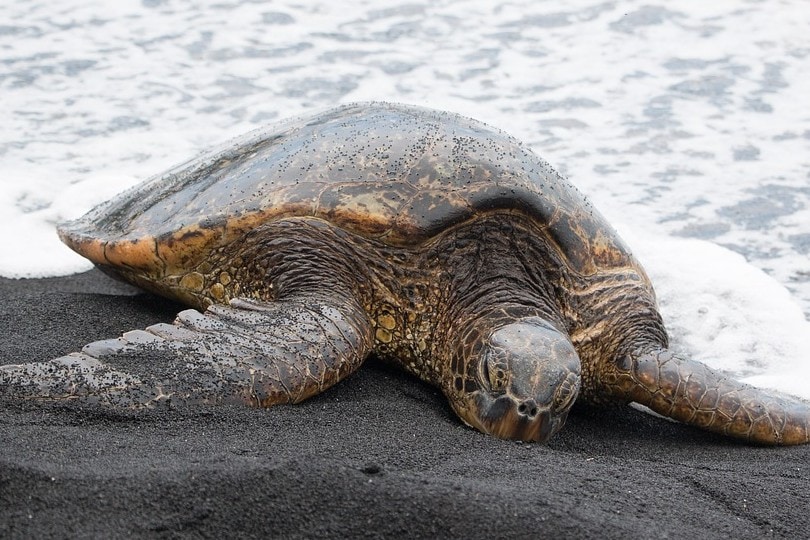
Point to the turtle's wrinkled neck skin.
(507, 365)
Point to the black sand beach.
(380, 455)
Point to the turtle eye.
(495, 374)
(566, 393)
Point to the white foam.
(723, 311)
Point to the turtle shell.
(399, 174)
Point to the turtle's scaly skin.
(428, 239)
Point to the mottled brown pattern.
(426, 239)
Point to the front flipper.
(692, 393)
(251, 352)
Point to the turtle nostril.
(528, 408)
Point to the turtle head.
(521, 383)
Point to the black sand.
(381, 455)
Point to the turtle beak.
(507, 418)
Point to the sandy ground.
(380, 455)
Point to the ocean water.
(686, 123)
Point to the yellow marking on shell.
(187, 246)
(134, 253)
(193, 281)
(217, 291)
(383, 335)
(138, 254)
(224, 278)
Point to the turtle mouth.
(507, 418)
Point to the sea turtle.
(421, 237)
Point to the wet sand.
(380, 455)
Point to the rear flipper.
(248, 352)
(692, 393)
